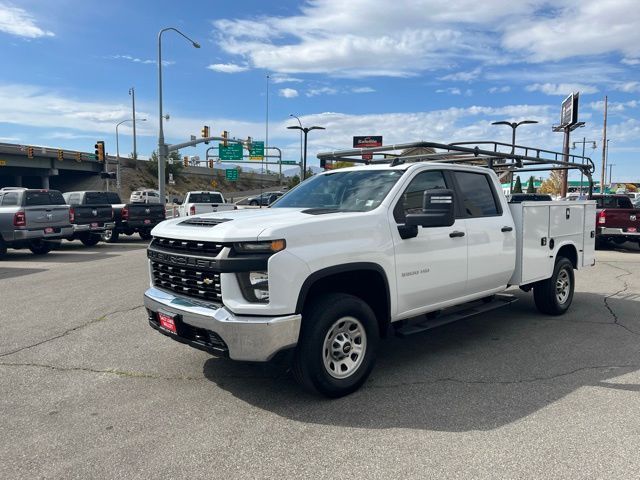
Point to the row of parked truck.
(39, 219)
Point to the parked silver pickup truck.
(32, 219)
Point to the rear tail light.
(19, 219)
(192, 210)
(72, 215)
(602, 217)
(124, 213)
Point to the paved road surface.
(88, 390)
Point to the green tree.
(173, 165)
(518, 187)
(531, 187)
(293, 181)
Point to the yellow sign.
(214, 184)
(3, 163)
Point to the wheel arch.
(367, 281)
(570, 252)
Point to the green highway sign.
(257, 151)
(231, 174)
(232, 151)
(289, 162)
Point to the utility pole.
(132, 92)
(604, 148)
(611, 165)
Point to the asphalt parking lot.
(89, 390)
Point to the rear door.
(45, 209)
(490, 232)
(432, 267)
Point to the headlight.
(254, 286)
(270, 246)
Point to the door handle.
(506, 229)
(456, 234)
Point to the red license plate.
(48, 230)
(632, 229)
(147, 221)
(94, 225)
(167, 322)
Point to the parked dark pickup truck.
(32, 219)
(616, 220)
(91, 215)
(133, 217)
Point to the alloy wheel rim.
(344, 347)
(563, 286)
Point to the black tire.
(321, 322)
(253, 203)
(548, 297)
(619, 241)
(110, 236)
(3, 248)
(40, 247)
(145, 235)
(90, 239)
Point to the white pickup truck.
(352, 254)
(196, 203)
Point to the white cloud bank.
(17, 21)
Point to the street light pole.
(611, 165)
(583, 142)
(132, 92)
(118, 183)
(514, 126)
(162, 147)
(299, 123)
(305, 130)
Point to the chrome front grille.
(209, 249)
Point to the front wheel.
(554, 295)
(89, 240)
(40, 247)
(337, 347)
(253, 203)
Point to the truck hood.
(255, 224)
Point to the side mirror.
(437, 210)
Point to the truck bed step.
(453, 314)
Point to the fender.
(346, 267)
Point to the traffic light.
(185, 160)
(225, 136)
(210, 163)
(30, 152)
(205, 132)
(60, 155)
(99, 146)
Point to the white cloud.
(503, 89)
(631, 61)
(576, 28)
(628, 87)
(462, 76)
(450, 91)
(17, 21)
(227, 68)
(321, 91)
(562, 89)
(613, 106)
(363, 90)
(131, 58)
(282, 78)
(288, 92)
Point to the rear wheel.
(110, 236)
(337, 347)
(554, 295)
(90, 239)
(3, 248)
(253, 203)
(39, 247)
(145, 235)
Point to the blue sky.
(407, 70)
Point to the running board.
(468, 310)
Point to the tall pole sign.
(568, 123)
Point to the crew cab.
(133, 218)
(196, 203)
(618, 220)
(33, 219)
(354, 253)
(91, 215)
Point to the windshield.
(358, 191)
(205, 198)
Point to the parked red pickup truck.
(616, 220)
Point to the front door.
(431, 268)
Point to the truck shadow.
(477, 374)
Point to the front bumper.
(88, 228)
(23, 235)
(617, 232)
(255, 339)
